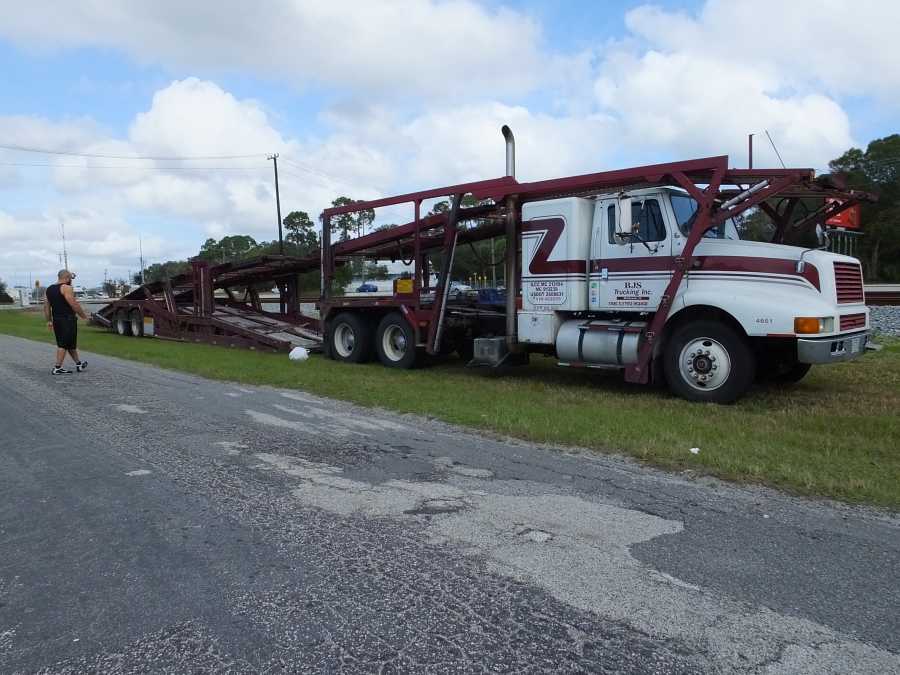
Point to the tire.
(708, 361)
(792, 374)
(123, 323)
(395, 342)
(465, 349)
(136, 319)
(350, 338)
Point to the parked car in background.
(367, 288)
(458, 291)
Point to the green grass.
(837, 434)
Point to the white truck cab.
(744, 310)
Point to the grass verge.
(837, 434)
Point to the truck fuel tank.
(596, 342)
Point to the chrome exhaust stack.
(510, 150)
(511, 273)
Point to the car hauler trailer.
(636, 269)
(187, 308)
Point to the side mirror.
(624, 223)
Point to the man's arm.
(69, 295)
(47, 314)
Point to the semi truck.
(641, 270)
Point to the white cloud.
(427, 86)
(406, 47)
(96, 240)
(199, 118)
(464, 144)
(689, 105)
(843, 48)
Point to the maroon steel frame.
(186, 306)
(720, 192)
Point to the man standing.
(60, 308)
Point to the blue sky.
(396, 101)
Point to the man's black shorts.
(66, 331)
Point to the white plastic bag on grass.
(299, 354)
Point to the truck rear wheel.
(137, 323)
(350, 338)
(395, 342)
(708, 361)
(123, 323)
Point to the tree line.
(4, 296)
(877, 169)
(301, 239)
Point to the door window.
(685, 209)
(649, 220)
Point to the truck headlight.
(808, 325)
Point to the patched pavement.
(155, 521)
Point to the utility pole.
(493, 266)
(141, 254)
(62, 230)
(750, 150)
(274, 158)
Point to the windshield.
(685, 209)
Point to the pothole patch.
(451, 465)
(535, 535)
(128, 408)
(431, 507)
(232, 447)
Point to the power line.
(48, 151)
(778, 154)
(309, 169)
(140, 168)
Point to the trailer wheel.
(708, 361)
(137, 323)
(395, 342)
(350, 338)
(123, 323)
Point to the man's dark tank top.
(58, 303)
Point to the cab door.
(630, 274)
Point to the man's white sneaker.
(81, 366)
(60, 371)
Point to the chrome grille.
(848, 283)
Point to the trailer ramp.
(193, 307)
(240, 320)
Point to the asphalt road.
(156, 522)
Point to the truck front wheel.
(350, 338)
(792, 374)
(708, 361)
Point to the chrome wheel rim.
(393, 343)
(136, 325)
(344, 340)
(704, 364)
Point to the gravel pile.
(885, 320)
